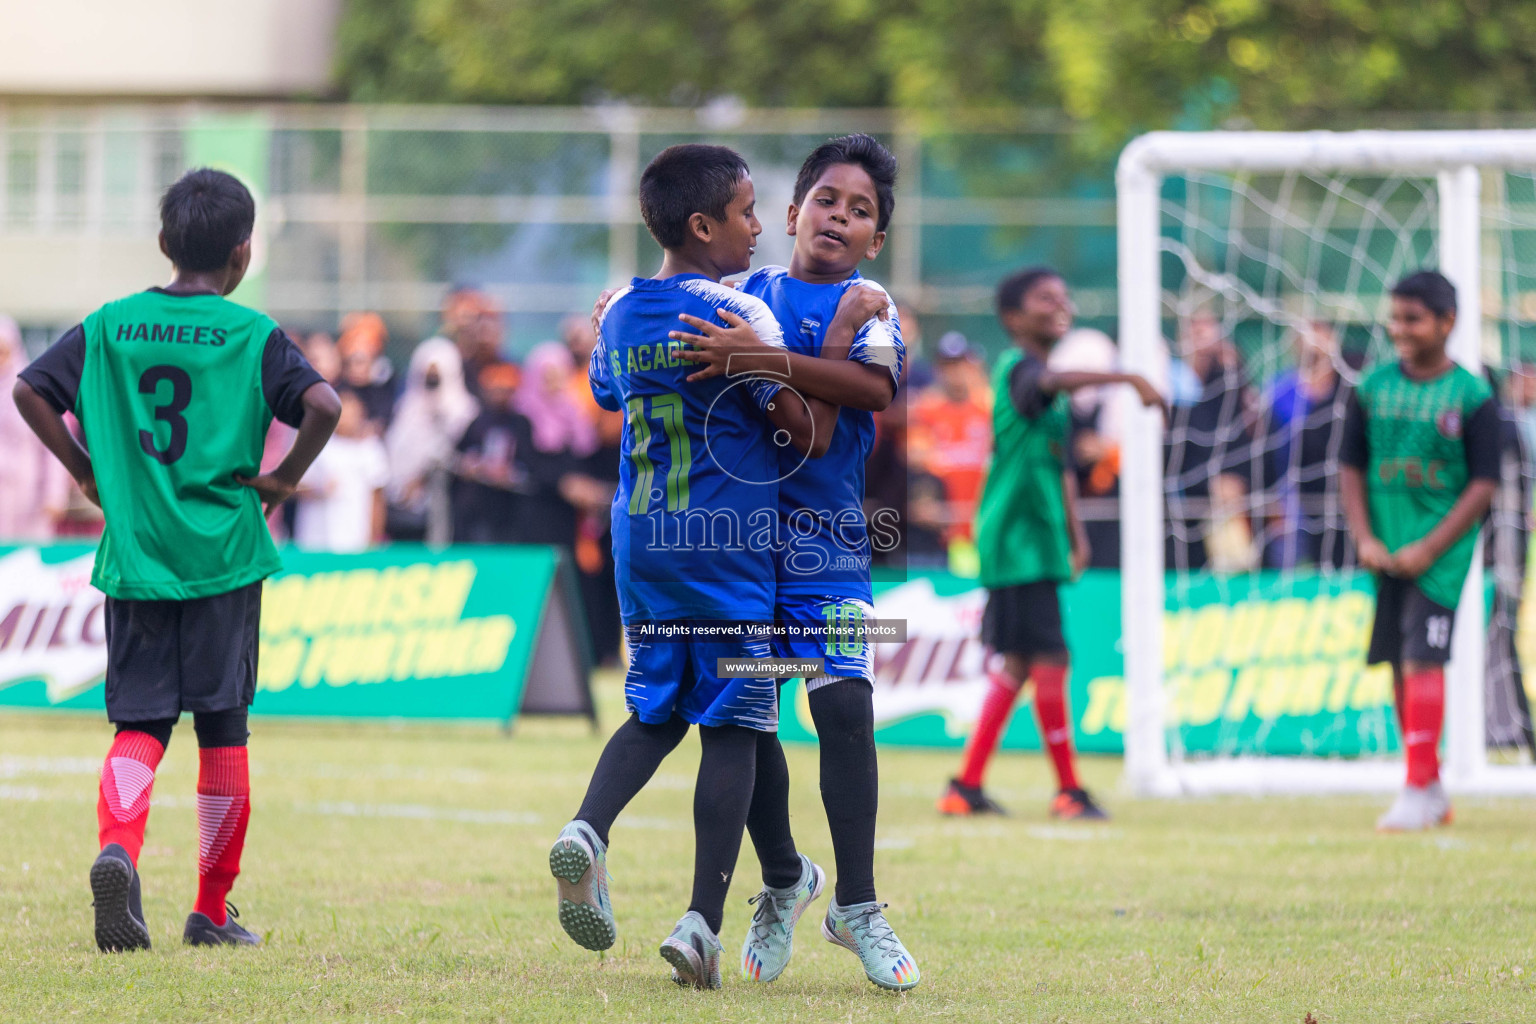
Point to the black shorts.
(1024, 619)
(1409, 626)
(166, 657)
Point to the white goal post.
(1454, 161)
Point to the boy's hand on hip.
(1412, 560)
(272, 491)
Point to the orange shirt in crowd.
(953, 441)
(610, 425)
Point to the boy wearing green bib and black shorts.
(1420, 458)
(174, 389)
(1030, 539)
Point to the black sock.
(627, 763)
(844, 713)
(720, 801)
(768, 817)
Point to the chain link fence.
(387, 208)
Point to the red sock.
(223, 811)
(1002, 691)
(1423, 714)
(1055, 727)
(127, 779)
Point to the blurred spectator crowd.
(469, 446)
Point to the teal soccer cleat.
(863, 929)
(771, 937)
(579, 862)
(694, 951)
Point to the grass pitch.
(400, 873)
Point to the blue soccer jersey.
(698, 488)
(825, 551)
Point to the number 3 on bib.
(168, 412)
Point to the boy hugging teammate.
(698, 478)
(175, 388)
(1420, 465)
(845, 343)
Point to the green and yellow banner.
(1257, 664)
(402, 631)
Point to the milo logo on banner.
(52, 626)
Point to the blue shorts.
(846, 658)
(677, 676)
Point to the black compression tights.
(213, 728)
(720, 801)
(844, 714)
(768, 818)
(632, 755)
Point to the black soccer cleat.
(1077, 805)
(962, 800)
(201, 931)
(119, 908)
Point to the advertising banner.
(402, 631)
(1256, 664)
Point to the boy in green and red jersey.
(1420, 460)
(175, 388)
(1029, 537)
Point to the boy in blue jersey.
(845, 343)
(698, 479)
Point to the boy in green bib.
(1030, 539)
(174, 389)
(1420, 457)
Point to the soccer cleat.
(1077, 805)
(694, 951)
(863, 929)
(119, 907)
(201, 931)
(960, 800)
(1417, 808)
(771, 936)
(579, 862)
(1443, 813)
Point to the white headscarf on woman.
(428, 420)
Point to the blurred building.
(168, 48)
(102, 104)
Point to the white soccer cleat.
(1416, 809)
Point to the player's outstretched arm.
(322, 410)
(1052, 381)
(48, 424)
(855, 385)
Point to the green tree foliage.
(1116, 65)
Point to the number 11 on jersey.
(669, 410)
